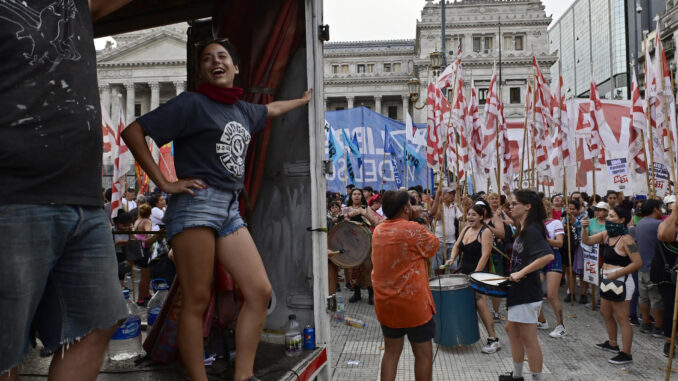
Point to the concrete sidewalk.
(573, 357)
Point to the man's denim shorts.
(58, 277)
(210, 207)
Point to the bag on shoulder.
(663, 268)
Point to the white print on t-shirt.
(232, 148)
(48, 30)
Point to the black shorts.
(419, 334)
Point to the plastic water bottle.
(126, 341)
(339, 315)
(155, 304)
(293, 338)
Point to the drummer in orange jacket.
(402, 298)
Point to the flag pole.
(383, 161)
(595, 158)
(533, 142)
(522, 156)
(345, 166)
(669, 133)
(652, 191)
(642, 136)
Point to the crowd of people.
(537, 242)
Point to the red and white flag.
(597, 121)
(438, 107)
(543, 90)
(475, 126)
(563, 151)
(636, 156)
(491, 119)
(446, 78)
(458, 151)
(667, 102)
(122, 163)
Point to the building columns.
(377, 103)
(105, 92)
(155, 95)
(406, 106)
(179, 86)
(350, 102)
(129, 105)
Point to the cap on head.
(603, 205)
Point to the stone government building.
(146, 68)
(374, 74)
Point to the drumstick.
(331, 253)
(500, 252)
(493, 279)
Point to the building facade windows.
(360, 68)
(514, 95)
(482, 96)
(387, 68)
(335, 69)
(393, 112)
(344, 69)
(370, 68)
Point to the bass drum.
(354, 240)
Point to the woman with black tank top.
(474, 247)
(620, 258)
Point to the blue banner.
(378, 171)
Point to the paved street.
(356, 355)
(573, 357)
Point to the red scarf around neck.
(223, 95)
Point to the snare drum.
(456, 318)
(489, 284)
(355, 242)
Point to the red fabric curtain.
(265, 34)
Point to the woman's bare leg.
(515, 342)
(621, 314)
(485, 315)
(552, 285)
(238, 254)
(528, 338)
(610, 323)
(194, 258)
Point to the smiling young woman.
(211, 129)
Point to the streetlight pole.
(444, 40)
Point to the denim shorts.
(57, 277)
(556, 265)
(210, 207)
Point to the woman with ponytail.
(620, 257)
(531, 252)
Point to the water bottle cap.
(125, 293)
(292, 317)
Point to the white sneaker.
(542, 325)
(491, 346)
(560, 331)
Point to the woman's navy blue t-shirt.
(210, 138)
